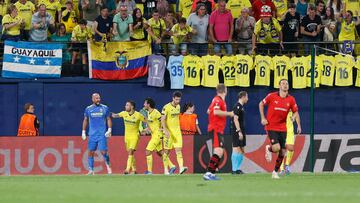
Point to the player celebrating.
(155, 143)
(290, 141)
(97, 115)
(132, 121)
(238, 132)
(170, 122)
(217, 122)
(279, 104)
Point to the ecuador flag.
(118, 60)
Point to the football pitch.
(305, 187)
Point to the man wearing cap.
(267, 33)
(258, 5)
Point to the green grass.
(327, 187)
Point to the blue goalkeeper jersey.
(97, 115)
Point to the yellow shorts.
(131, 143)
(290, 138)
(154, 144)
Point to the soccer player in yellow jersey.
(170, 122)
(132, 121)
(290, 141)
(155, 143)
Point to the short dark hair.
(27, 106)
(103, 7)
(177, 94)
(83, 22)
(242, 94)
(220, 88)
(132, 103)
(187, 106)
(155, 11)
(291, 5)
(182, 20)
(151, 102)
(319, 2)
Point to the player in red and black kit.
(279, 104)
(217, 122)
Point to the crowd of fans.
(261, 25)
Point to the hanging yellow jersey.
(263, 65)
(344, 68)
(299, 68)
(281, 65)
(357, 83)
(243, 65)
(328, 71)
(317, 73)
(192, 68)
(228, 69)
(210, 70)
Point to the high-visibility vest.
(188, 124)
(27, 126)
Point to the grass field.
(328, 187)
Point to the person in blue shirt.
(97, 116)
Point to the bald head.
(95, 98)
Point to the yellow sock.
(289, 156)
(133, 165)
(165, 159)
(129, 162)
(282, 164)
(180, 159)
(169, 163)
(149, 161)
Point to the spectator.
(103, 26)
(302, 7)
(61, 36)
(291, 27)
(236, 7)
(140, 25)
(53, 6)
(348, 28)
(329, 25)
(68, 17)
(41, 23)
(26, 10)
(80, 35)
(156, 31)
(199, 21)
(281, 8)
(29, 124)
(184, 7)
(12, 24)
(181, 32)
(259, 4)
(111, 6)
(3, 10)
(267, 33)
(170, 21)
(221, 28)
(122, 25)
(149, 8)
(209, 5)
(244, 27)
(189, 123)
(310, 28)
(320, 8)
(163, 7)
(129, 4)
(91, 10)
(337, 5)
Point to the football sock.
(213, 163)
(106, 158)
(240, 160)
(180, 159)
(289, 156)
(91, 163)
(133, 165)
(234, 161)
(278, 162)
(149, 161)
(129, 162)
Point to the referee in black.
(238, 132)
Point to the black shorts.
(236, 142)
(277, 137)
(79, 47)
(218, 139)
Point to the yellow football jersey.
(210, 70)
(344, 68)
(131, 123)
(299, 67)
(172, 114)
(25, 12)
(317, 74)
(243, 64)
(154, 122)
(357, 83)
(281, 65)
(228, 69)
(236, 6)
(281, 8)
(52, 7)
(263, 65)
(185, 7)
(192, 68)
(289, 123)
(328, 71)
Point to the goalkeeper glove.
(108, 133)
(83, 135)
